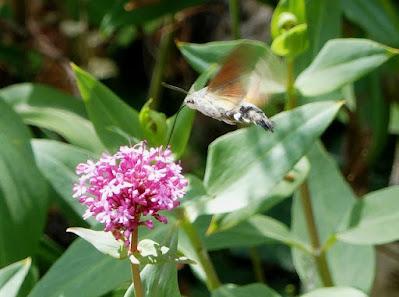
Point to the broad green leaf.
(324, 22)
(374, 219)
(184, 122)
(202, 56)
(82, 269)
(107, 111)
(103, 241)
(341, 61)
(254, 290)
(245, 165)
(151, 252)
(37, 95)
(332, 199)
(12, 278)
(281, 191)
(23, 190)
(257, 230)
(143, 13)
(335, 292)
(377, 17)
(51, 109)
(82, 266)
(57, 162)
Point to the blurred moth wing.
(248, 77)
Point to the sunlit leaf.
(254, 290)
(12, 277)
(335, 292)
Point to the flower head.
(126, 189)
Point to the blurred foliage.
(245, 191)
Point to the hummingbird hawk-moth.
(245, 82)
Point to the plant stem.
(319, 256)
(160, 63)
(291, 96)
(234, 6)
(138, 286)
(257, 265)
(212, 280)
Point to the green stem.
(212, 280)
(161, 62)
(234, 6)
(257, 265)
(291, 96)
(135, 268)
(319, 254)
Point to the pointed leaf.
(12, 277)
(57, 162)
(233, 183)
(374, 219)
(23, 190)
(341, 61)
(107, 111)
(103, 241)
(48, 108)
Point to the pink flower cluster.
(124, 189)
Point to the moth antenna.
(174, 88)
(174, 124)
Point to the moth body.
(224, 110)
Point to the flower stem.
(138, 286)
(319, 255)
(257, 265)
(212, 280)
(234, 7)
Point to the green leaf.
(332, 199)
(82, 269)
(335, 292)
(374, 218)
(118, 16)
(202, 56)
(378, 18)
(57, 162)
(324, 23)
(254, 290)
(103, 241)
(107, 111)
(257, 230)
(12, 278)
(281, 191)
(48, 108)
(151, 252)
(184, 122)
(292, 42)
(23, 191)
(82, 266)
(341, 61)
(233, 184)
